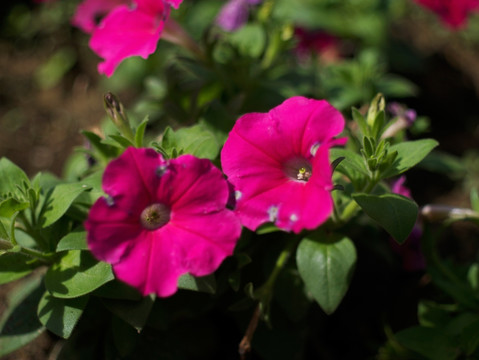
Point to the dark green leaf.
(76, 240)
(59, 200)
(205, 284)
(395, 213)
(361, 121)
(470, 337)
(19, 323)
(429, 342)
(134, 313)
(326, 266)
(14, 266)
(76, 274)
(118, 141)
(60, 315)
(410, 153)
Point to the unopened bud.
(114, 109)
(377, 105)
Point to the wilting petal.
(233, 15)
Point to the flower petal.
(202, 188)
(111, 231)
(123, 33)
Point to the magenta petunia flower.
(161, 219)
(278, 163)
(128, 28)
(453, 13)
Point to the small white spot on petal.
(293, 217)
(273, 213)
(238, 194)
(161, 170)
(314, 148)
(109, 201)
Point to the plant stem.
(351, 208)
(264, 295)
(46, 258)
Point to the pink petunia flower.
(278, 163)
(161, 219)
(453, 13)
(128, 28)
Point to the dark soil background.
(39, 129)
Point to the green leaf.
(76, 274)
(134, 313)
(351, 160)
(60, 315)
(196, 140)
(249, 39)
(117, 141)
(59, 200)
(14, 266)
(326, 266)
(470, 337)
(205, 284)
(11, 176)
(361, 121)
(10, 206)
(140, 133)
(19, 323)
(429, 342)
(410, 153)
(395, 213)
(76, 240)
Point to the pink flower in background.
(161, 219)
(454, 13)
(278, 164)
(317, 42)
(234, 14)
(128, 28)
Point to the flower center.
(298, 169)
(155, 216)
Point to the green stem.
(46, 258)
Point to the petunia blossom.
(278, 163)
(161, 219)
(234, 14)
(453, 13)
(128, 28)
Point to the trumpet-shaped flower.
(128, 28)
(454, 13)
(278, 163)
(161, 219)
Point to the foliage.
(289, 285)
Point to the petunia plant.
(235, 218)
